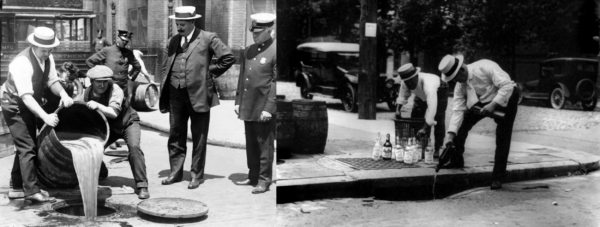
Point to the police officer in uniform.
(255, 102)
(29, 73)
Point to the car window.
(547, 70)
(585, 67)
(348, 61)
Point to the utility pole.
(113, 7)
(367, 76)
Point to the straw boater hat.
(185, 13)
(100, 72)
(408, 71)
(262, 21)
(450, 66)
(43, 37)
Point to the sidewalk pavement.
(320, 176)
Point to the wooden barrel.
(55, 162)
(145, 96)
(7, 145)
(311, 123)
(227, 83)
(285, 128)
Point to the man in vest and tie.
(482, 88)
(29, 73)
(255, 102)
(187, 91)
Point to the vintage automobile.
(564, 79)
(331, 70)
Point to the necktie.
(471, 96)
(185, 44)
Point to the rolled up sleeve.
(459, 106)
(116, 99)
(403, 95)
(52, 75)
(502, 81)
(21, 72)
(431, 93)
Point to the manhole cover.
(370, 164)
(173, 208)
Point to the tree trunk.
(367, 77)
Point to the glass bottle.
(416, 151)
(408, 153)
(377, 148)
(387, 148)
(399, 150)
(429, 153)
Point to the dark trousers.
(420, 107)
(503, 134)
(132, 135)
(260, 149)
(22, 125)
(182, 110)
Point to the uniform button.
(250, 69)
(246, 78)
(254, 59)
(258, 49)
(245, 89)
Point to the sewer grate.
(370, 164)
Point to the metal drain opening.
(77, 210)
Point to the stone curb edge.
(209, 141)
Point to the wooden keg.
(311, 126)
(227, 83)
(285, 128)
(55, 168)
(145, 96)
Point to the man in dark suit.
(118, 58)
(255, 102)
(188, 90)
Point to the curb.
(189, 137)
(409, 184)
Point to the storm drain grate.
(370, 164)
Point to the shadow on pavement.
(186, 175)
(117, 181)
(237, 177)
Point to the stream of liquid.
(433, 189)
(87, 155)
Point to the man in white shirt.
(427, 87)
(485, 85)
(29, 73)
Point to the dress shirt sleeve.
(137, 68)
(116, 99)
(225, 57)
(403, 95)
(459, 106)
(502, 81)
(52, 75)
(21, 72)
(430, 90)
(96, 59)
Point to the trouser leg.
(503, 136)
(199, 128)
(266, 139)
(252, 151)
(178, 117)
(463, 132)
(136, 157)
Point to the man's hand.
(93, 105)
(51, 119)
(236, 109)
(489, 108)
(449, 140)
(398, 112)
(422, 133)
(66, 101)
(265, 116)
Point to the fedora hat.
(262, 21)
(450, 65)
(100, 72)
(43, 37)
(185, 13)
(408, 71)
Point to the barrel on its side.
(55, 162)
(227, 83)
(145, 96)
(311, 126)
(285, 128)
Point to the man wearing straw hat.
(123, 121)
(28, 74)
(188, 91)
(485, 85)
(427, 87)
(255, 102)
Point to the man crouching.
(123, 121)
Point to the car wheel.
(304, 92)
(557, 98)
(349, 98)
(589, 105)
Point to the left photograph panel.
(138, 112)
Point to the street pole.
(367, 76)
(170, 28)
(113, 6)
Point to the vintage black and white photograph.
(138, 113)
(438, 113)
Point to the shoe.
(103, 172)
(262, 187)
(195, 183)
(170, 180)
(40, 197)
(112, 146)
(143, 193)
(454, 164)
(496, 185)
(244, 182)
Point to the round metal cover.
(173, 208)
